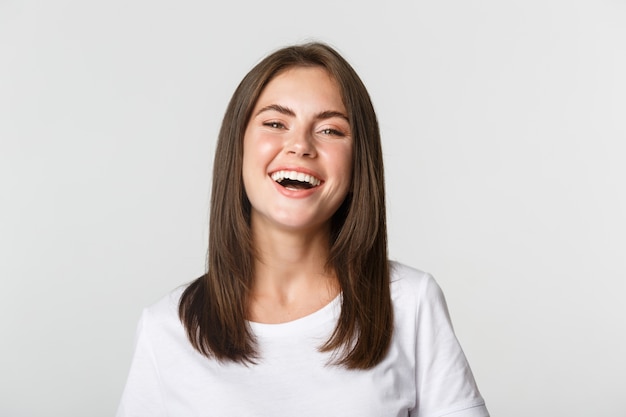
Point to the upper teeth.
(279, 176)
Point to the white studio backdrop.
(504, 128)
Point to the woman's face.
(297, 152)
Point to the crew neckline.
(325, 315)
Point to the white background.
(503, 130)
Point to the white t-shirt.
(424, 374)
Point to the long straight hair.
(213, 308)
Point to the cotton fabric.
(424, 374)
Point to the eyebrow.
(328, 114)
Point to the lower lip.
(295, 193)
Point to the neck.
(290, 274)
(285, 256)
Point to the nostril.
(299, 152)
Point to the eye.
(332, 132)
(274, 125)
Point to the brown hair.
(213, 307)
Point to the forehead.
(310, 84)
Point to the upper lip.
(296, 173)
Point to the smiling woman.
(300, 311)
(298, 148)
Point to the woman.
(300, 311)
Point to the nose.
(300, 143)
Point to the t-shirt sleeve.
(142, 393)
(444, 380)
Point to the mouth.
(295, 180)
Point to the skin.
(298, 124)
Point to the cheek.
(258, 149)
(340, 159)
(346, 163)
(258, 153)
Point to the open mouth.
(295, 180)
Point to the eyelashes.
(332, 132)
(274, 125)
(325, 131)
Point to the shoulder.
(161, 334)
(413, 289)
(406, 279)
(163, 313)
